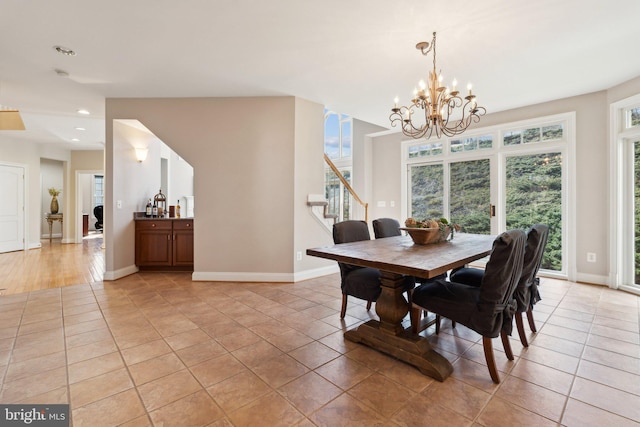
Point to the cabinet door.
(183, 243)
(153, 243)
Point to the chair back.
(386, 227)
(534, 250)
(347, 232)
(500, 279)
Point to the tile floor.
(159, 350)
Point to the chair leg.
(343, 311)
(438, 318)
(368, 305)
(532, 323)
(506, 344)
(491, 361)
(520, 327)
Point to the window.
(338, 147)
(98, 190)
(488, 188)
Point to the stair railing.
(348, 187)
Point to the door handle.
(492, 210)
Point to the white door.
(11, 208)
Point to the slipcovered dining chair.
(526, 293)
(356, 281)
(386, 227)
(487, 309)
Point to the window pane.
(414, 151)
(425, 150)
(436, 149)
(485, 141)
(456, 146)
(332, 136)
(427, 191)
(512, 138)
(346, 204)
(534, 196)
(346, 139)
(470, 144)
(635, 116)
(551, 132)
(531, 135)
(470, 195)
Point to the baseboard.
(592, 278)
(212, 276)
(119, 274)
(35, 245)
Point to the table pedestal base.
(406, 346)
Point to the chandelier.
(445, 111)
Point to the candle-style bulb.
(422, 85)
(395, 102)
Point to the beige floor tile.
(99, 387)
(34, 366)
(420, 411)
(458, 397)
(212, 371)
(502, 413)
(381, 394)
(111, 411)
(607, 398)
(238, 390)
(187, 339)
(157, 367)
(25, 387)
(280, 370)
(197, 409)
(255, 354)
(553, 359)
(609, 376)
(145, 351)
(310, 392)
(544, 376)
(201, 352)
(290, 340)
(314, 354)
(270, 410)
(89, 351)
(612, 359)
(536, 399)
(579, 414)
(170, 388)
(93, 367)
(235, 341)
(346, 411)
(344, 372)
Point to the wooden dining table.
(396, 257)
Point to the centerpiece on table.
(430, 230)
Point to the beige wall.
(243, 152)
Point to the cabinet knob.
(153, 224)
(188, 225)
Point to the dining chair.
(527, 292)
(386, 227)
(487, 309)
(356, 281)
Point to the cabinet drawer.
(153, 225)
(183, 225)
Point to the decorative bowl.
(425, 236)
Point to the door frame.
(25, 201)
(78, 234)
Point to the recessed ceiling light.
(64, 51)
(83, 111)
(75, 139)
(78, 128)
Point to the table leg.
(50, 230)
(389, 336)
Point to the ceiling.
(352, 56)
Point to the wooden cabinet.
(164, 244)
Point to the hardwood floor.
(53, 266)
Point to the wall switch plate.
(382, 204)
(591, 257)
(119, 204)
(299, 256)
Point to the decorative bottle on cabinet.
(154, 210)
(149, 209)
(178, 209)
